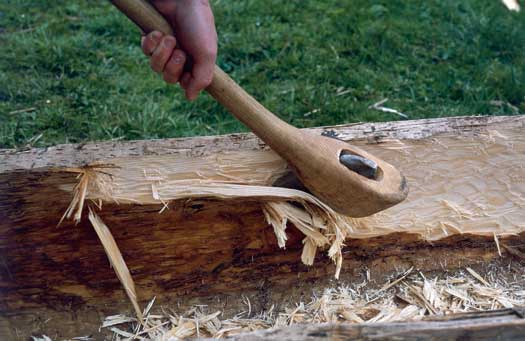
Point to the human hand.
(195, 38)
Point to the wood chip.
(477, 276)
(116, 260)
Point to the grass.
(78, 65)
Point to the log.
(507, 324)
(467, 183)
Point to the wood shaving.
(115, 258)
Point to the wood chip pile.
(410, 296)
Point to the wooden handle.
(314, 158)
(225, 90)
(144, 15)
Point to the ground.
(72, 71)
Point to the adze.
(348, 179)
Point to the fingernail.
(177, 59)
(156, 35)
(167, 42)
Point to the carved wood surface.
(198, 251)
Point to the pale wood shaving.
(116, 260)
(477, 276)
(496, 240)
(42, 338)
(117, 319)
(95, 176)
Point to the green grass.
(78, 63)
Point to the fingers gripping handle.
(224, 89)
